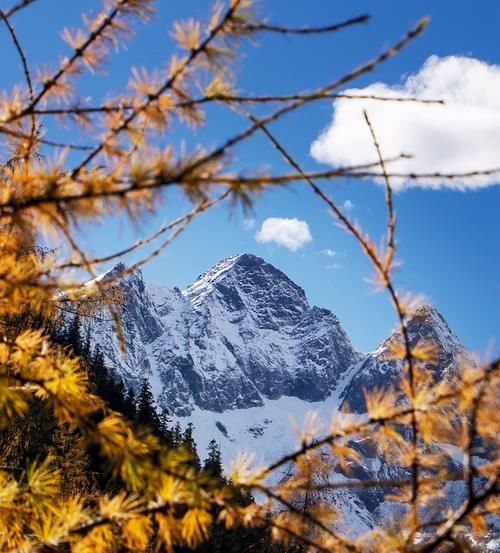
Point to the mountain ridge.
(242, 301)
(240, 351)
(241, 333)
(243, 339)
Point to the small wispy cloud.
(459, 137)
(334, 266)
(248, 223)
(348, 205)
(329, 253)
(292, 234)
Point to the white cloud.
(348, 205)
(248, 223)
(329, 253)
(290, 233)
(461, 136)
(334, 266)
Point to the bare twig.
(305, 30)
(18, 7)
(27, 77)
(234, 98)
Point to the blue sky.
(448, 240)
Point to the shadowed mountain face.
(240, 350)
(425, 327)
(243, 332)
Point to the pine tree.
(146, 410)
(87, 345)
(130, 410)
(190, 445)
(98, 373)
(213, 462)
(177, 435)
(166, 433)
(73, 335)
(117, 401)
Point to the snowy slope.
(240, 350)
(425, 326)
(241, 354)
(241, 334)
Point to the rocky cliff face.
(241, 349)
(242, 333)
(425, 326)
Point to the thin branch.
(383, 483)
(448, 527)
(18, 7)
(258, 27)
(298, 536)
(62, 145)
(386, 271)
(391, 223)
(124, 187)
(305, 515)
(94, 35)
(234, 98)
(27, 77)
(203, 205)
(434, 175)
(193, 55)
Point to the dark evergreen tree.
(166, 432)
(87, 345)
(213, 462)
(189, 443)
(73, 335)
(98, 373)
(146, 410)
(117, 400)
(130, 410)
(177, 435)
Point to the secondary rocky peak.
(428, 324)
(426, 314)
(122, 274)
(115, 272)
(118, 275)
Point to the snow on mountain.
(425, 326)
(241, 350)
(241, 334)
(241, 354)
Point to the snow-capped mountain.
(240, 350)
(426, 326)
(241, 334)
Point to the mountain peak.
(204, 284)
(244, 271)
(426, 310)
(427, 315)
(426, 322)
(115, 271)
(111, 274)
